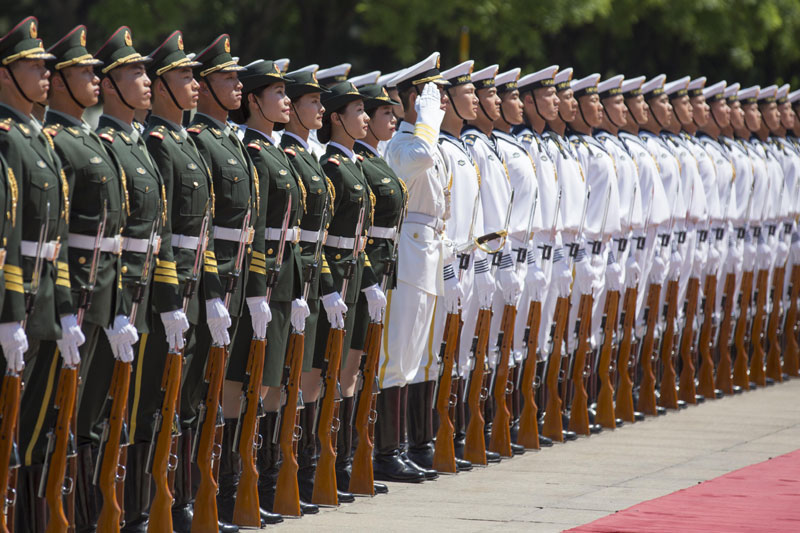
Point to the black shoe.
(638, 416)
(380, 488)
(492, 457)
(139, 526)
(569, 435)
(182, 518)
(737, 389)
(393, 468)
(661, 410)
(753, 385)
(699, 398)
(517, 449)
(544, 442)
(227, 528)
(682, 404)
(619, 422)
(308, 508)
(770, 381)
(462, 465)
(718, 394)
(594, 429)
(422, 457)
(345, 497)
(427, 472)
(270, 518)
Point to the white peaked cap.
(751, 93)
(365, 79)
(563, 76)
(732, 90)
(633, 84)
(768, 92)
(387, 80)
(540, 78)
(654, 84)
(485, 74)
(336, 73)
(783, 91)
(457, 73)
(716, 91)
(612, 85)
(678, 85)
(589, 82)
(423, 72)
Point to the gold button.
(124, 269)
(416, 235)
(370, 241)
(46, 185)
(8, 215)
(288, 186)
(319, 191)
(146, 188)
(236, 178)
(103, 180)
(269, 252)
(249, 250)
(196, 184)
(81, 260)
(391, 192)
(327, 226)
(338, 256)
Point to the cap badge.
(128, 39)
(180, 42)
(437, 61)
(227, 45)
(33, 31)
(277, 69)
(83, 37)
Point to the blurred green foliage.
(752, 41)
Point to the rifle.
(791, 354)
(774, 367)
(160, 459)
(604, 412)
(687, 390)
(757, 375)
(246, 511)
(740, 371)
(705, 377)
(722, 380)
(288, 430)
(110, 465)
(60, 467)
(327, 422)
(207, 447)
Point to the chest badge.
(385, 180)
(516, 154)
(231, 161)
(191, 166)
(461, 162)
(282, 172)
(95, 160)
(315, 178)
(41, 164)
(357, 187)
(141, 171)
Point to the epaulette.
(157, 134)
(290, 152)
(53, 130)
(528, 138)
(107, 135)
(334, 161)
(470, 138)
(197, 128)
(5, 125)
(24, 129)
(254, 145)
(359, 157)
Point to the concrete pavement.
(574, 483)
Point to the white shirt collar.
(348, 152)
(302, 142)
(267, 137)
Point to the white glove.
(122, 336)
(260, 315)
(749, 256)
(453, 292)
(781, 253)
(484, 286)
(658, 270)
(15, 343)
(584, 276)
(795, 250)
(699, 262)
(675, 263)
(632, 271)
(218, 321)
(376, 301)
(536, 282)
(713, 261)
(562, 278)
(71, 338)
(335, 308)
(614, 277)
(175, 325)
(300, 312)
(510, 284)
(764, 255)
(429, 108)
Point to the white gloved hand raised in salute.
(429, 110)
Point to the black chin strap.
(69, 90)
(612, 120)
(503, 115)
(119, 93)
(214, 94)
(297, 115)
(16, 84)
(455, 108)
(484, 110)
(345, 127)
(260, 110)
(174, 100)
(655, 117)
(559, 111)
(714, 118)
(580, 109)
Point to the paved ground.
(574, 483)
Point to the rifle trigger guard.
(258, 441)
(484, 393)
(537, 382)
(11, 497)
(216, 452)
(373, 416)
(509, 387)
(68, 486)
(172, 462)
(122, 472)
(452, 400)
(335, 424)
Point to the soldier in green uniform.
(97, 194)
(236, 193)
(189, 192)
(12, 302)
(344, 122)
(126, 89)
(38, 181)
(266, 104)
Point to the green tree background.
(751, 41)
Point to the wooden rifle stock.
(287, 492)
(791, 354)
(208, 449)
(668, 394)
(579, 408)
(444, 455)
(724, 368)
(687, 389)
(705, 378)
(774, 366)
(475, 442)
(604, 413)
(111, 512)
(325, 476)
(54, 489)
(9, 410)
(757, 375)
(553, 424)
(161, 506)
(624, 406)
(246, 511)
(647, 387)
(528, 434)
(362, 480)
(740, 371)
(500, 440)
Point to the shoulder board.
(52, 131)
(290, 152)
(359, 157)
(157, 134)
(196, 128)
(470, 138)
(108, 136)
(334, 161)
(527, 138)
(255, 146)
(5, 125)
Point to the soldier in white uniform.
(414, 155)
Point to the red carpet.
(761, 498)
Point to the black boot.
(87, 498)
(419, 426)
(30, 511)
(268, 464)
(388, 464)
(182, 493)
(307, 452)
(230, 470)
(137, 489)
(344, 443)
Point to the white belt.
(306, 235)
(185, 241)
(345, 243)
(382, 233)
(274, 234)
(426, 220)
(49, 250)
(232, 234)
(111, 245)
(140, 245)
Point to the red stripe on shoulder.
(254, 145)
(334, 161)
